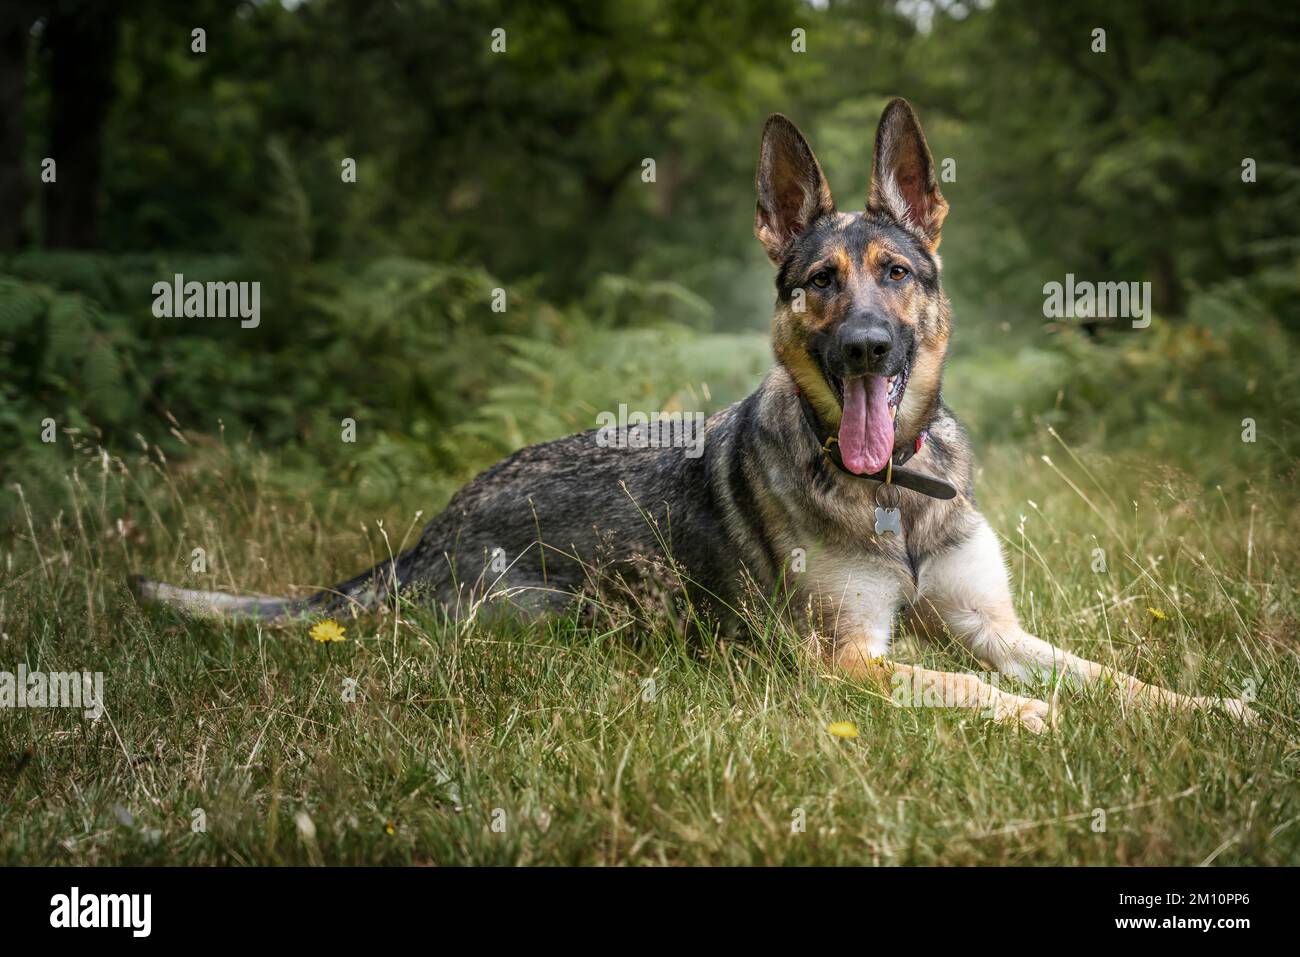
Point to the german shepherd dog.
(845, 456)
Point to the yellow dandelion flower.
(1157, 614)
(843, 729)
(324, 631)
(389, 829)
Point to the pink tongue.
(866, 427)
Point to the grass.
(544, 744)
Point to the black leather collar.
(902, 477)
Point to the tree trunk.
(82, 39)
(15, 28)
(1166, 287)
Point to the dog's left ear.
(903, 183)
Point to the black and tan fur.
(566, 515)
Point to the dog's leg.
(857, 607)
(910, 686)
(966, 587)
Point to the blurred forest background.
(523, 170)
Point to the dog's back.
(583, 513)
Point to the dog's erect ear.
(792, 192)
(903, 183)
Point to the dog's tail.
(367, 592)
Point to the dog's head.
(861, 322)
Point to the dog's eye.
(821, 279)
(898, 273)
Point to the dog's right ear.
(792, 192)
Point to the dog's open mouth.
(866, 438)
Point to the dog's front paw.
(1234, 707)
(1030, 713)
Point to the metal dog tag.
(888, 520)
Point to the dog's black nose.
(865, 347)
